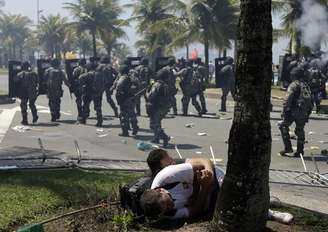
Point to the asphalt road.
(106, 143)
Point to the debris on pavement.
(202, 134)
(323, 142)
(102, 136)
(190, 125)
(100, 130)
(143, 146)
(199, 152)
(22, 129)
(311, 133)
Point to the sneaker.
(285, 218)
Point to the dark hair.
(154, 160)
(150, 204)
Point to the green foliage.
(33, 196)
(123, 222)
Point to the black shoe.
(83, 121)
(166, 141)
(285, 152)
(298, 154)
(135, 131)
(35, 119)
(24, 122)
(53, 119)
(116, 114)
(99, 124)
(200, 114)
(223, 110)
(124, 134)
(204, 111)
(175, 113)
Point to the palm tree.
(291, 11)
(13, 31)
(147, 13)
(99, 17)
(51, 32)
(84, 44)
(244, 199)
(216, 22)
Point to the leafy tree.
(51, 33)
(99, 17)
(14, 29)
(244, 199)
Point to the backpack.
(304, 101)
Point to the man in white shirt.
(187, 190)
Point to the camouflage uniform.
(125, 90)
(228, 84)
(78, 92)
(28, 82)
(316, 81)
(296, 108)
(110, 75)
(171, 81)
(55, 78)
(190, 86)
(157, 107)
(144, 75)
(94, 84)
(202, 74)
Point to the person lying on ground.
(186, 191)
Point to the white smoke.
(313, 23)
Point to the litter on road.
(102, 136)
(202, 134)
(21, 129)
(190, 125)
(143, 146)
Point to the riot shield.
(14, 68)
(43, 65)
(70, 65)
(161, 62)
(219, 64)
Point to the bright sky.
(29, 8)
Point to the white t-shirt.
(181, 193)
(184, 174)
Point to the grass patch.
(3, 71)
(27, 197)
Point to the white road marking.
(6, 118)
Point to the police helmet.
(105, 60)
(297, 74)
(55, 62)
(171, 61)
(228, 60)
(82, 62)
(144, 61)
(26, 65)
(162, 74)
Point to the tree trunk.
(20, 52)
(291, 46)
(206, 51)
(225, 52)
(244, 200)
(298, 43)
(14, 51)
(109, 52)
(94, 44)
(187, 51)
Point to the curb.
(6, 100)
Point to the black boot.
(53, 118)
(125, 133)
(300, 149)
(116, 113)
(24, 121)
(35, 118)
(166, 141)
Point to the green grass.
(27, 197)
(317, 222)
(3, 71)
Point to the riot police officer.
(55, 77)
(110, 75)
(78, 92)
(190, 86)
(297, 108)
(158, 105)
(202, 74)
(125, 90)
(316, 80)
(228, 82)
(172, 84)
(144, 75)
(28, 83)
(94, 84)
